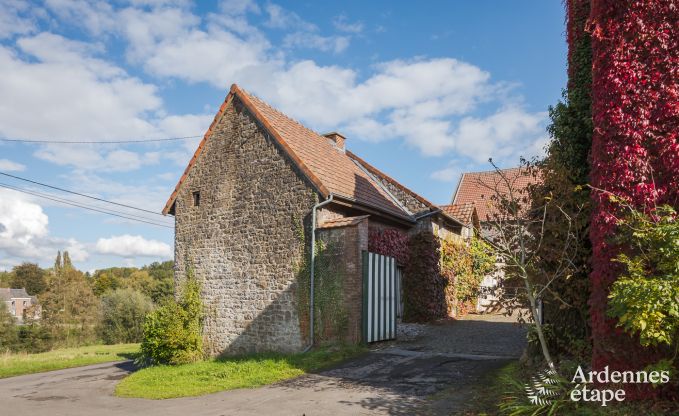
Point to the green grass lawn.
(164, 382)
(14, 364)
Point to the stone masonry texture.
(245, 240)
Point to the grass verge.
(14, 364)
(164, 382)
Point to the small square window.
(196, 198)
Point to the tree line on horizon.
(81, 308)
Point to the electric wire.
(79, 194)
(50, 141)
(75, 204)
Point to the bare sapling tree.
(515, 231)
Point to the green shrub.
(8, 332)
(123, 313)
(172, 333)
(31, 337)
(34, 338)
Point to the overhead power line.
(50, 141)
(79, 194)
(75, 204)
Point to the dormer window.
(196, 198)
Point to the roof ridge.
(496, 170)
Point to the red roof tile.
(328, 168)
(479, 187)
(342, 222)
(461, 212)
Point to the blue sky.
(423, 90)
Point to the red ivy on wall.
(389, 242)
(635, 149)
(423, 285)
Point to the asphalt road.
(394, 380)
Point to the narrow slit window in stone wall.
(196, 198)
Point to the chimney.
(336, 139)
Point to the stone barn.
(260, 191)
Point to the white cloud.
(505, 134)
(81, 97)
(95, 158)
(96, 16)
(21, 222)
(9, 166)
(342, 24)
(280, 18)
(76, 95)
(13, 19)
(24, 234)
(308, 40)
(132, 246)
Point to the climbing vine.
(565, 174)
(635, 149)
(389, 242)
(463, 265)
(423, 284)
(331, 320)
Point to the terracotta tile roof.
(478, 188)
(462, 212)
(343, 222)
(328, 168)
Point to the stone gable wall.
(413, 204)
(245, 239)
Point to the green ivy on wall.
(464, 264)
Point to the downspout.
(312, 269)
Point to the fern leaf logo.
(542, 388)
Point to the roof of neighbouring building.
(462, 212)
(8, 294)
(342, 222)
(329, 169)
(478, 188)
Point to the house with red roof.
(477, 195)
(258, 196)
(478, 189)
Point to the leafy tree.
(103, 282)
(155, 280)
(6, 279)
(141, 281)
(8, 330)
(70, 308)
(29, 276)
(163, 274)
(123, 314)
